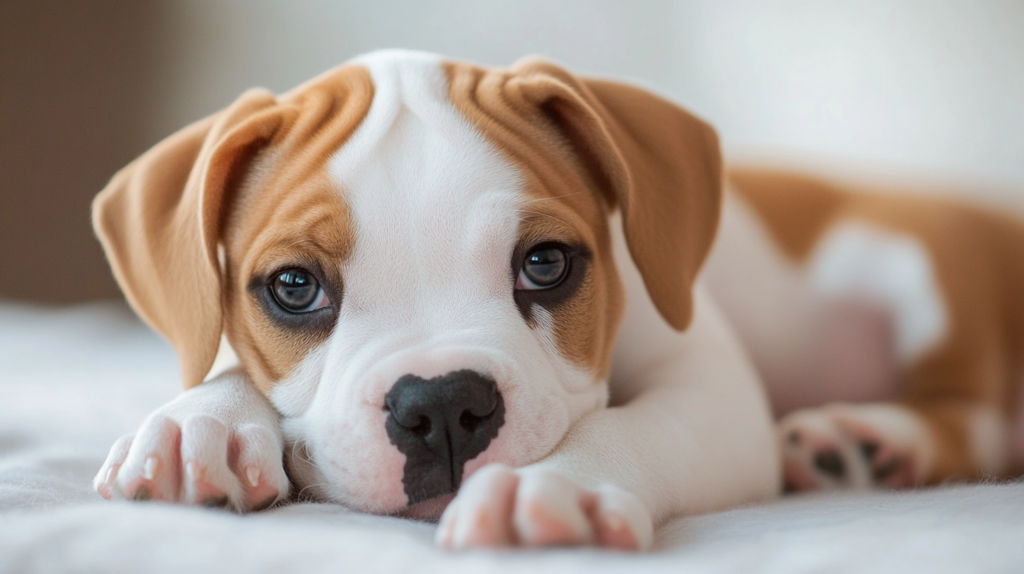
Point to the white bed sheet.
(73, 380)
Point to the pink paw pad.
(833, 447)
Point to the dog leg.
(540, 507)
(891, 445)
(694, 434)
(218, 444)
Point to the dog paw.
(500, 507)
(191, 452)
(853, 446)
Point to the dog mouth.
(406, 448)
(431, 456)
(427, 510)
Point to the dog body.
(435, 278)
(436, 287)
(888, 328)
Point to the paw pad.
(854, 446)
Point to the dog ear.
(159, 220)
(660, 165)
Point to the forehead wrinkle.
(290, 200)
(555, 221)
(316, 190)
(315, 221)
(325, 214)
(319, 117)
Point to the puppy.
(901, 314)
(447, 288)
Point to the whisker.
(302, 454)
(298, 495)
(306, 457)
(553, 197)
(555, 217)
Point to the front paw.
(218, 444)
(199, 462)
(499, 507)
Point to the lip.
(428, 510)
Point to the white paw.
(212, 447)
(499, 506)
(853, 446)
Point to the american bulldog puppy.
(443, 291)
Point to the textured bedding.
(73, 380)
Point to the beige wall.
(74, 87)
(925, 86)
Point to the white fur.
(692, 403)
(547, 508)
(894, 269)
(768, 300)
(694, 434)
(836, 327)
(428, 290)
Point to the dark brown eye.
(544, 267)
(297, 291)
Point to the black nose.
(439, 424)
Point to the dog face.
(412, 260)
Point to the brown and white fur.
(411, 186)
(888, 328)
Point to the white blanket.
(73, 380)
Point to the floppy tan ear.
(159, 222)
(658, 163)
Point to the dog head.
(412, 257)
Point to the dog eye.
(297, 291)
(544, 267)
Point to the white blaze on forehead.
(434, 204)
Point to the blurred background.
(924, 90)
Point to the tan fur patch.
(797, 209)
(163, 217)
(586, 323)
(589, 147)
(290, 214)
(978, 257)
(277, 228)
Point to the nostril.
(469, 421)
(415, 423)
(422, 428)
